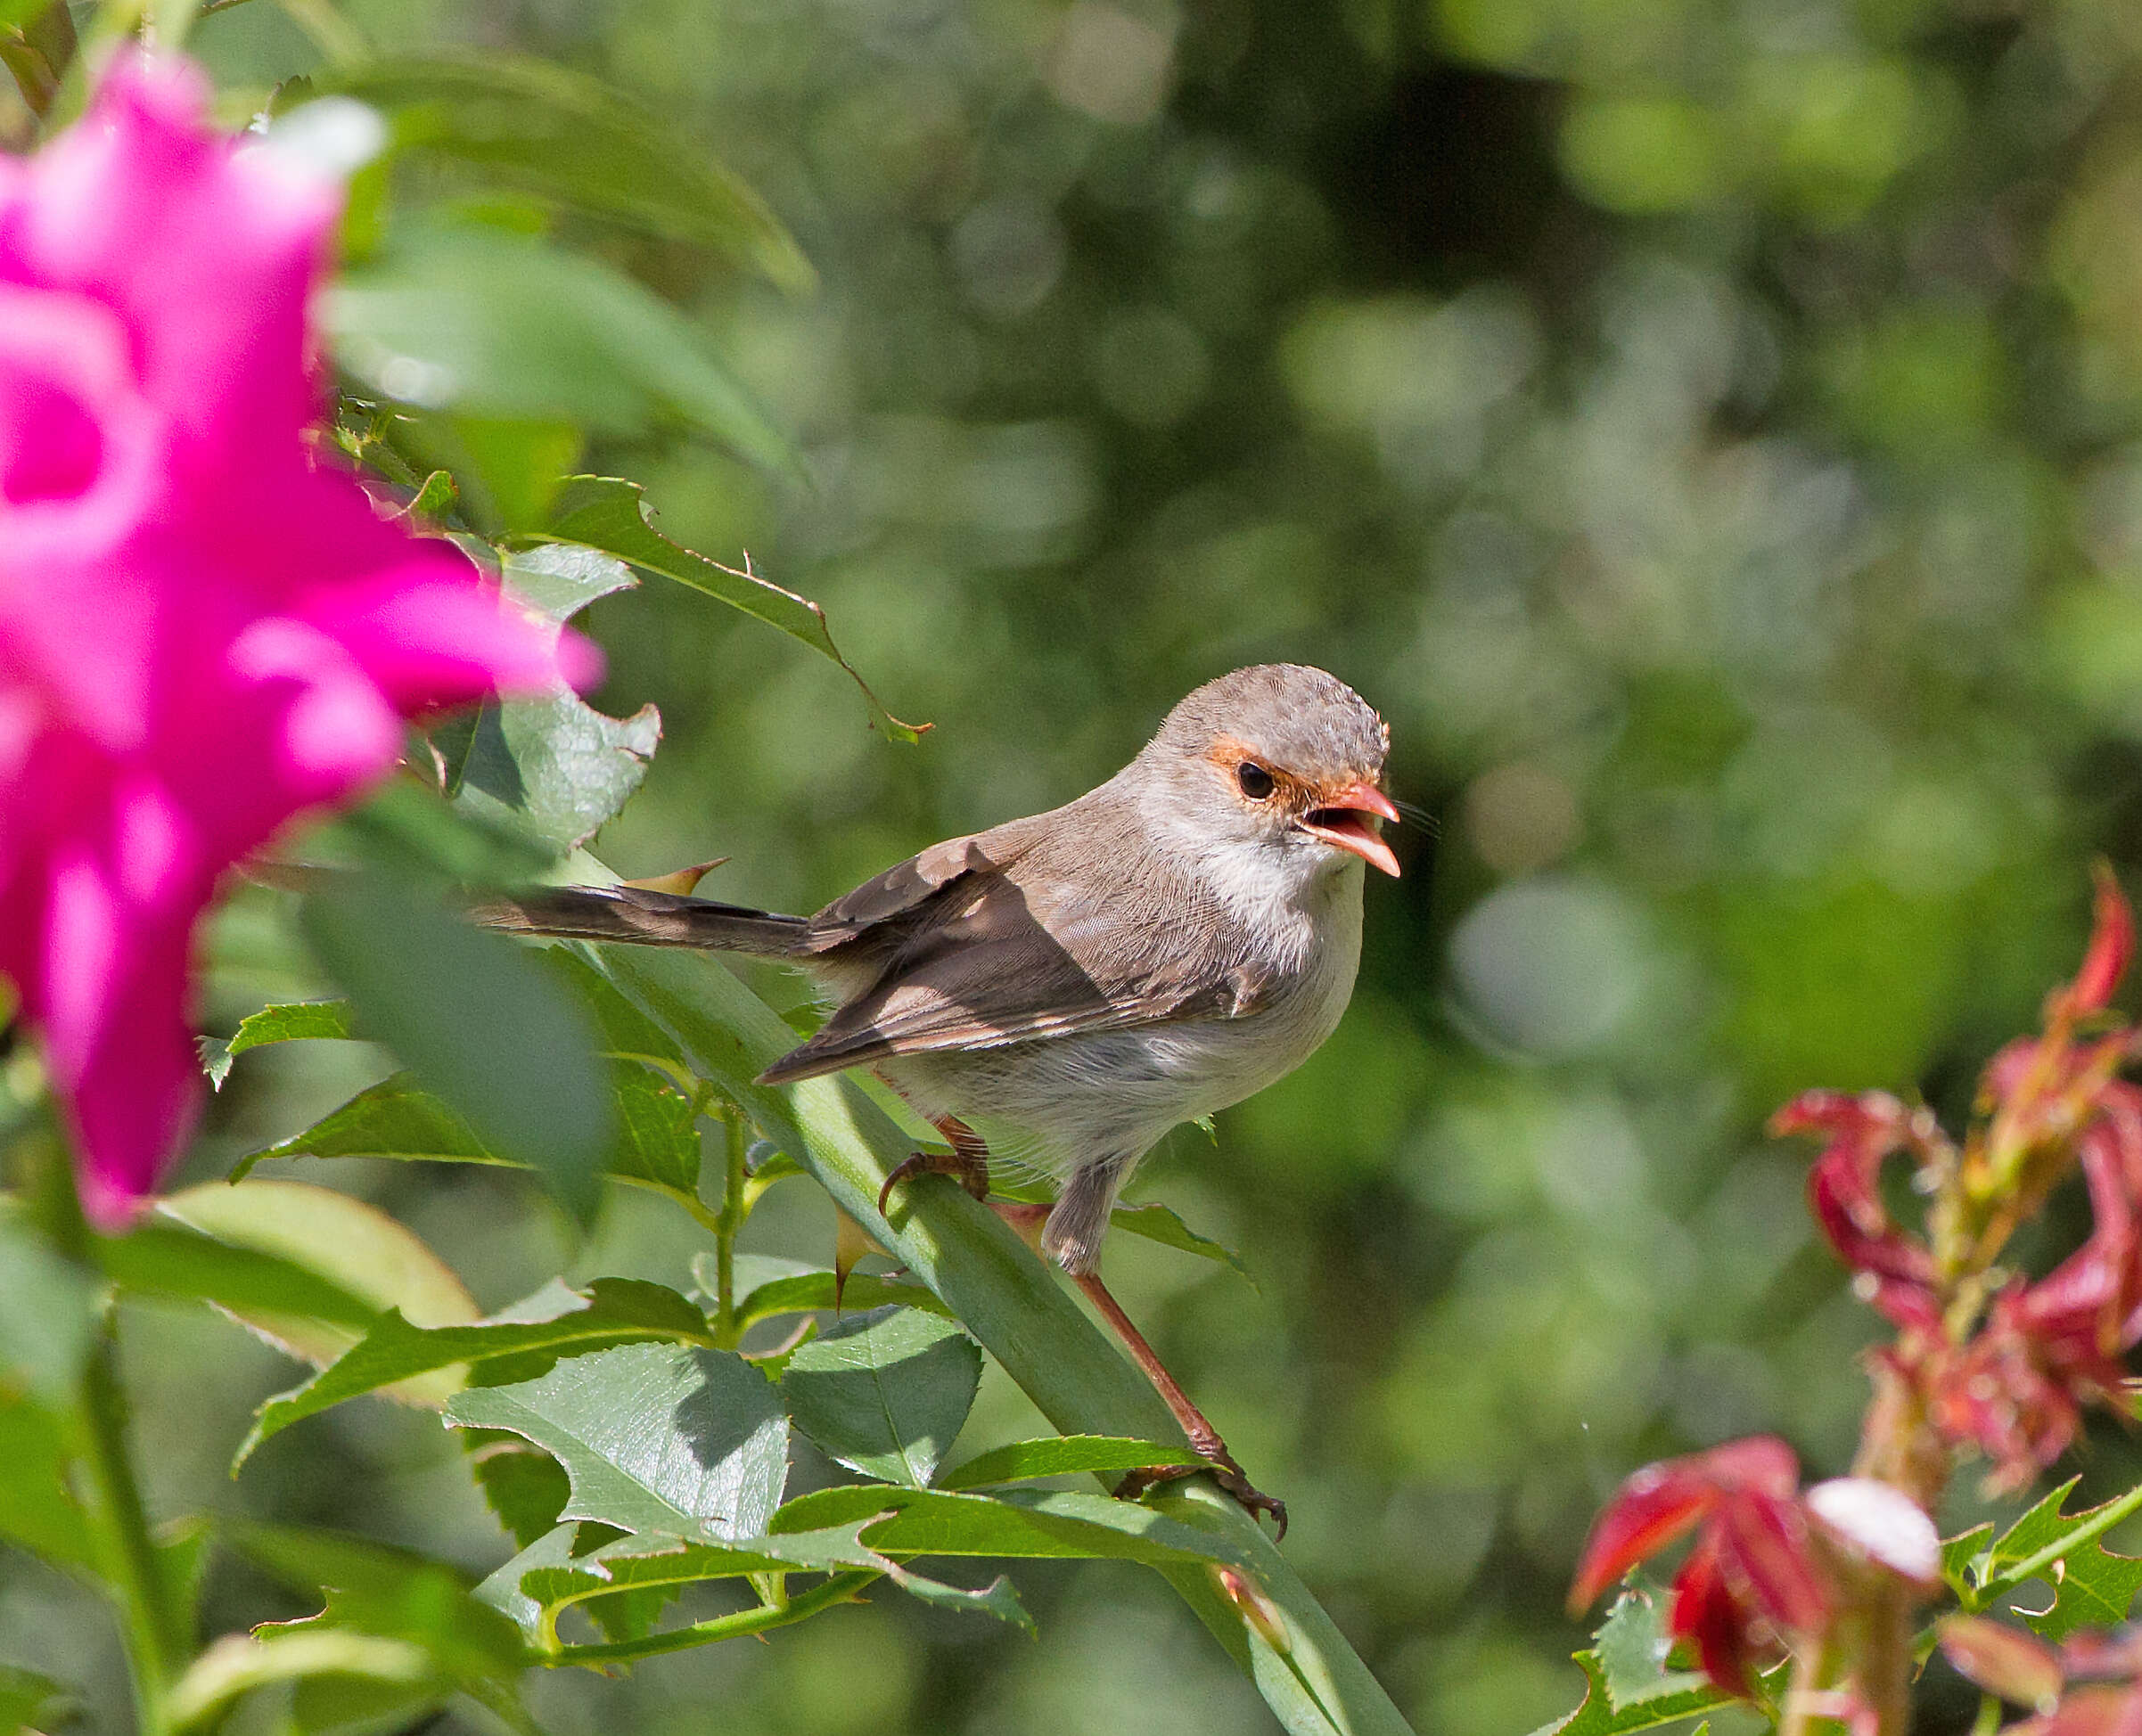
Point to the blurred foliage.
(1712, 434)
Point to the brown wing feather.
(996, 955)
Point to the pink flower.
(1751, 1577)
(203, 632)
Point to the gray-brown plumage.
(1074, 984)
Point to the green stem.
(842, 1588)
(133, 1574)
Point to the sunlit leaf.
(688, 1442)
(289, 1022)
(165, 1256)
(559, 765)
(885, 1393)
(555, 1322)
(1060, 1455)
(605, 512)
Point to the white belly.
(1069, 1101)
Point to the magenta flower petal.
(203, 631)
(1661, 1501)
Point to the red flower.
(1844, 1192)
(1751, 1577)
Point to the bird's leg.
(968, 1161)
(1204, 1438)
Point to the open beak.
(1349, 821)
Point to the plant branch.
(1003, 1294)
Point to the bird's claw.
(971, 1172)
(1223, 1470)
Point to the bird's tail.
(647, 919)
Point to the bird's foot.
(1220, 1466)
(967, 1162)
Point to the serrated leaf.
(1157, 1222)
(478, 1021)
(1062, 1456)
(689, 1442)
(525, 1488)
(397, 1118)
(1598, 1716)
(768, 1295)
(535, 124)
(610, 1312)
(886, 1392)
(290, 1021)
(2091, 1586)
(556, 763)
(609, 513)
(998, 1598)
(377, 1599)
(475, 320)
(657, 1134)
(350, 1244)
(1031, 1524)
(1631, 1648)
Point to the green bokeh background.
(1711, 435)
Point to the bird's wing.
(992, 956)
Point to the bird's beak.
(1348, 822)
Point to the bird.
(1073, 985)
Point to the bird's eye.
(1255, 781)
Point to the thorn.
(679, 881)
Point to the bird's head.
(1282, 756)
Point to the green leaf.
(478, 1021)
(605, 512)
(523, 1485)
(1599, 1716)
(1032, 1524)
(535, 124)
(476, 320)
(1631, 1649)
(397, 1118)
(885, 1393)
(559, 765)
(48, 1308)
(239, 1663)
(162, 1256)
(37, 1509)
(657, 1130)
(1158, 1223)
(998, 1598)
(349, 1244)
(1060, 1455)
(2091, 1586)
(286, 1023)
(811, 1292)
(689, 1442)
(1964, 1560)
(554, 1321)
(384, 1598)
